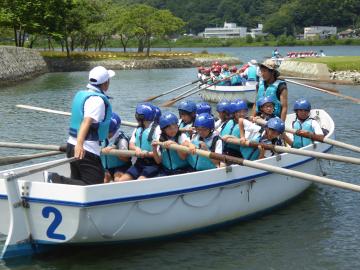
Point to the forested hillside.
(279, 17)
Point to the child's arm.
(157, 157)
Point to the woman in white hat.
(271, 86)
(252, 72)
(89, 125)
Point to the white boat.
(218, 93)
(45, 214)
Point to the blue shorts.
(141, 169)
(121, 169)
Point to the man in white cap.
(89, 125)
(271, 86)
(252, 73)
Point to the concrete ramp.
(305, 70)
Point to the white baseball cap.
(99, 75)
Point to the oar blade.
(152, 98)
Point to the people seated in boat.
(236, 79)
(187, 114)
(115, 166)
(172, 161)
(238, 109)
(273, 133)
(205, 139)
(265, 108)
(141, 140)
(271, 86)
(200, 72)
(221, 109)
(321, 53)
(217, 77)
(203, 107)
(206, 76)
(304, 123)
(225, 70)
(252, 73)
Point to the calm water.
(320, 230)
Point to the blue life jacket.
(98, 131)
(171, 159)
(270, 91)
(142, 139)
(236, 80)
(251, 153)
(251, 73)
(184, 125)
(222, 83)
(110, 161)
(231, 128)
(307, 126)
(225, 74)
(200, 163)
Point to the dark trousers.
(86, 171)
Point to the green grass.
(90, 55)
(336, 63)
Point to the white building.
(230, 30)
(254, 32)
(319, 31)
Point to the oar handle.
(49, 147)
(265, 167)
(127, 153)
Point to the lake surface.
(320, 230)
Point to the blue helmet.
(147, 110)
(302, 104)
(157, 113)
(168, 119)
(230, 108)
(276, 123)
(264, 100)
(221, 106)
(203, 107)
(115, 122)
(240, 105)
(205, 120)
(187, 106)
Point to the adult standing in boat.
(271, 86)
(89, 125)
(252, 72)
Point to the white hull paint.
(218, 93)
(158, 207)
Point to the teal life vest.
(251, 153)
(231, 128)
(98, 131)
(171, 159)
(142, 139)
(200, 163)
(307, 126)
(218, 78)
(270, 91)
(252, 74)
(109, 161)
(236, 80)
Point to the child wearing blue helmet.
(265, 108)
(141, 140)
(238, 109)
(303, 122)
(221, 109)
(187, 114)
(173, 162)
(115, 166)
(205, 139)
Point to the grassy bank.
(336, 63)
(130, 55)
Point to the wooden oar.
(282, 149)
(343, 82)
(184, 93)
(266, 167)
(62, 148)
(16, 159)
(315, 137)
(125, 123)
(171, 102)
(172, 90)
(356, 100)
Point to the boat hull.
(218, 93)
(158, 207)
